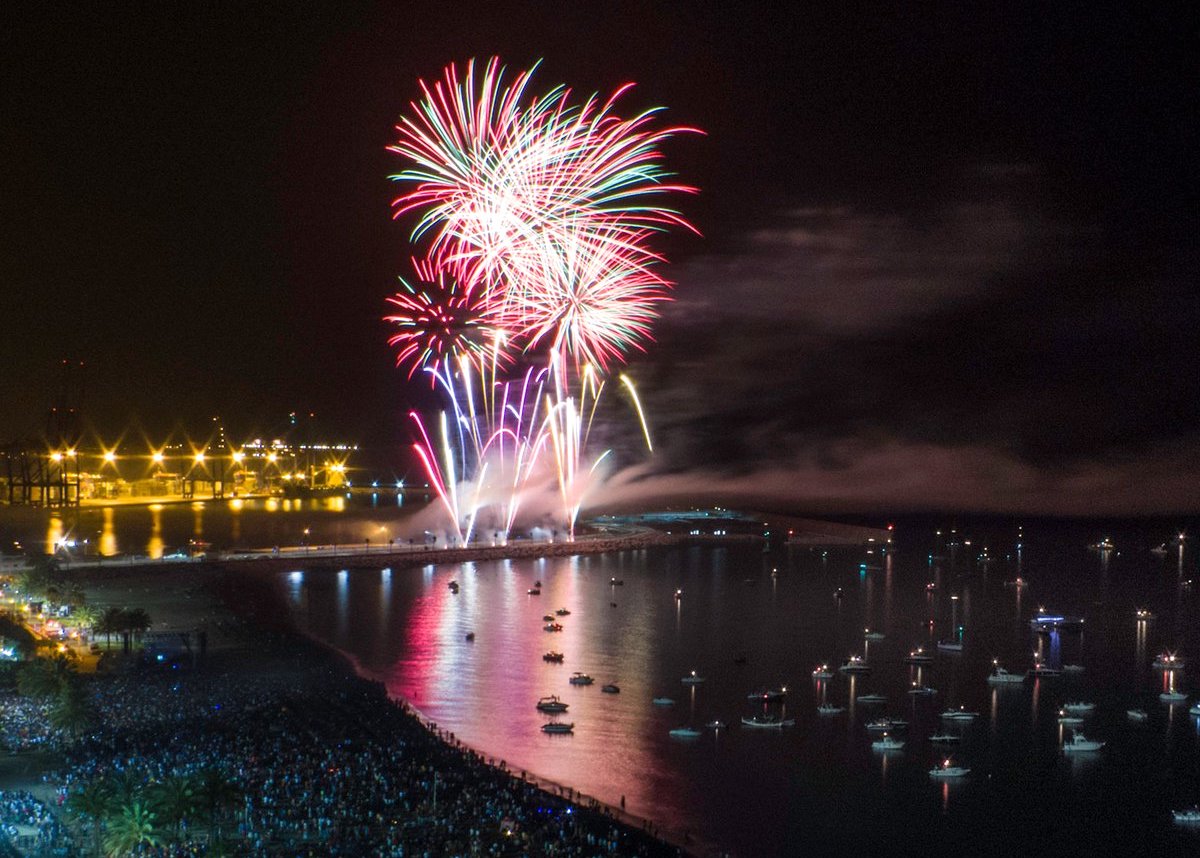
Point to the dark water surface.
(816, 788)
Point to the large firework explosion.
(537, 215)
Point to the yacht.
(886, 743)
(663, 701)
(692, 679)
(950, 646)
(1187, 817)
(946, 770)
(1000, 676)
(534, 591)
(1195, 710)
(578, 678)
(1045, 623)
(715, 725)
(1172, 697)
(551, 704)
(563, 612)
(886, 725)
(923, 690)
(688, 733)
(1138, 715)
(1080, 708)
(1040, 668)
(855, 664)
(1079, 742)
(959, 714)
(918, 656)
(872, 636)
(556, 657)
(611, 688)
(1169, 661)
(552, 627)
(1069, 720)
(822, 671)
(767, 695)
(830, 709)
(556, 727)
(547, 618)
(768, 721)
(617, 582)
(945, 739)
(871, 698)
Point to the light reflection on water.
(777, 793)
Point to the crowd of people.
(30, 825)
(319, 762)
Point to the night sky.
(948, 257)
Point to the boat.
(537, 584)
(453, 585)
(692, 679)
(886, 743)
(1074, 669)
(822, 671)
(767, 695)
(959, 714)
(931, 586)
(1104, 544)
(715, 725)
(578, 678)
(547, 618)
(855, 664)
(555, 727)
(551, 704)
(1140, 715)
(830, 709)
(950, 646)
(1068, 720)
(768, 721)
(1195, 710)
(552, 627)
(918, 656)
(688, 733)
(663, 701)
(534, 591)
(553, 656)
(945, 739)
(1172, 697)
(1169, 661)
(872, 636)
(1043, 669)
(1017, 583)
(871, 698)
(946, 770)
(617, 582)
(610, 689)
(923, 690)
(1142, 614)
(1045, 623)
(1000, 676)
(563, 612)
(1080, 708)
(886, 725)
(678, 594)
(1187, 817)
(1080, 743)
(470, 636)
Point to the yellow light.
(71, 453)
(271, 457)
(110, 456)
(56, 457)
(199, 457)
(157, 457)
(238, 456)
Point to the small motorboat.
(1143, 615)
(537, 584)
(887, 743)
(678, 594)
(1080, 708)
(1169, 661)
(822, 671)
(946, 770)
(887, 725)
(924, 690)
(830, 709)
(1172, 697)
(1187, 817)
(686, 733)
(1042, 669)
(768, 721)
(1018, 583)
(1080, 743)
(959, 714)
(871, 699)
(556, 727)
(552, 627)
(950, 646)
(556, 657)
(931, 586)
(578, 678)
(869, 635)
(1195, 710)
(610, 688)
(692, 678)
(470, 636)
(453, 585)
(945, 739)
(1068, 720)
(1000, 676)
(767, 695)
(1137, 715)
(855, 664)
(551, 704)
(547, 618)
(534, 591)
(563, 612)
(918, 656)
(715, 725)
(663, 701)
(617, 582)
(1073, 669)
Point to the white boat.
(1069, 720)
(688, 733)
(950, 646)
(872, 636)
(692, 679)
(1195, 710)
(918, 656)
(923, 690)
(1075, 669)
(1172, 697)
(768, 721)
(767, 695)
(1080, 743)
(855, 664)
(945, 770)
(822, 671)
(830, 709)
(578, 678)
(715, 725)
(1080, 708)
(945, 739)
(887, 743)
(551, 704)
(1043, 669)
(1019, 583)
(1169, 661)
(886, 725)
(1000, 676)
(555, 727)
(1187, 817)
(663, 701)
(959, 714)
(1138, 715)
(871, 698)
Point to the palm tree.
(111, 621)
(175, 799)
(215, 791)
(91, 803)
(137, 621)
(129, 829)
(45, 677)
(72, 710)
